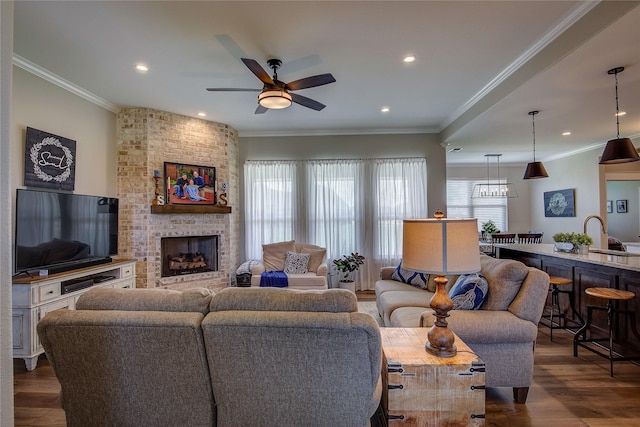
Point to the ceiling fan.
(276, 95)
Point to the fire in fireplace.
(188, 254)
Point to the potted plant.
(347, 266)
(572, 242)
(563, 242)
(582, 242)
(489, 228)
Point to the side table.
(420, 389)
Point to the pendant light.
(497, 190)
(534, 169)
(619, 150)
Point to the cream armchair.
(274, 257)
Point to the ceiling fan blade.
(306, 102)
(313, 81)
(261, 109)
(257, 69)
(232, 89)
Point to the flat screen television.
(63, 231)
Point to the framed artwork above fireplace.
(187, 184)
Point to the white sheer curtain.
(400, 192)
(270, 204)
(335, 205)
(344, 205)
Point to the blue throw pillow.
(410, 277)
(469, 291)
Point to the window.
(461, 204)
(348, 206)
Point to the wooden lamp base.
(440, 338)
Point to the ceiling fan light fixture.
(534, 169)
(274, 99)
(618, 150)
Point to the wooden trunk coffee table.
(421, 389)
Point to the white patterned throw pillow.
(296, 263)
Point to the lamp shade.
(619, 150)
(441, 246)
(535, 170)
(274, 99)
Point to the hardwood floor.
(567, 391)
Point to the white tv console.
(34, 297)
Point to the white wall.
(350, 147)
(580, 172)
(44, 106)
(6, 346)
(519, 208)
(624, 226)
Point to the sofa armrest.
(322, 270)
(257, 269)
(386, 272)
(486, 326)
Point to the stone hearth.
(146, 139)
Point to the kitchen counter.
(619, 271)
(630, 261)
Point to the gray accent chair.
(284, 357)
(132, 357)
(502, 331)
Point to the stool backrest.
(525, 238)
(503, 238)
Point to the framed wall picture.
(49, 161)
(609, 206)
(189, 184)
(621, 206)
(559, 203)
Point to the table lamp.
(441, 246)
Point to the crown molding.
(45, 74)
(336, 132)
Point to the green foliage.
(349, 263)
(575, 238)
(489, 227)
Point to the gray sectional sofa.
(242, 357)
(502, 332)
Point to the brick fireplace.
(146, 139)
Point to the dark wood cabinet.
(586, 274)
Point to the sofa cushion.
(410, 277)
(469, 291)
(190, 300)
(316, 257)
(275, 254)
(282, 299)
(296, 263)
(505, 278)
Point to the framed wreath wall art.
(49, 161)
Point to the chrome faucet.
(586, 220)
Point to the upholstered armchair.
(274, 258)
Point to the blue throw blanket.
(276, 279)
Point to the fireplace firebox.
(188, 255)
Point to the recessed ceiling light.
(384, 109)
(621, 113)
(567, 133)
(409, 58)
(201, 114)
(142, 67)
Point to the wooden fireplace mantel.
(190, 209)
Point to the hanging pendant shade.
(618, 150)
(534, 169)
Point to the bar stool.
(610, 295)
(555, 282)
